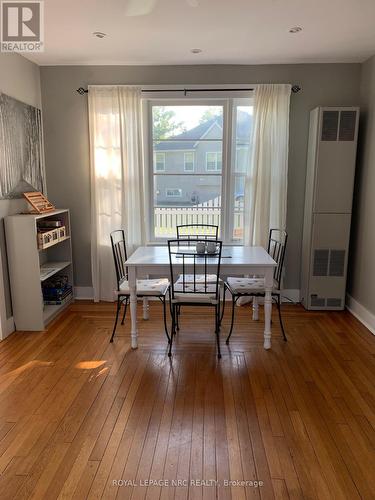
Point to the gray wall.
(362, 267)
(66, 131)
(20, 79)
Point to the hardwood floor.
(81, 418)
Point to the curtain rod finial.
(296, 88)
(81, 91)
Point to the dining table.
(236, 260)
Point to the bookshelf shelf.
(48, 269)
(30, 266)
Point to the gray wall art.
(21, 148)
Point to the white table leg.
(146, 308)
(255, 309)
(267, 319)
(133, 306)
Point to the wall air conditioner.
(328, 205)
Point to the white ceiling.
(228, 31)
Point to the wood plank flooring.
(84, 419)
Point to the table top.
(231, 256)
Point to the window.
(193, 148)
(173, 193)
(241, 146)
(189, 162)
(214, 161)
(159, 162)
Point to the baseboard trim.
(84, 293)
(363, 315)
(8, 328)
(292, 294)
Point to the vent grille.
(320, 262)
(316, 301)
(347, 125)
(333, 302)
(330, 125)
(337, 263)
(329, 263)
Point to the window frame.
(227, 171)
(193, 162)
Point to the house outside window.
(199, 168)
(189, 161)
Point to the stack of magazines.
(56, 290)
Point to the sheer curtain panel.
(267, 179)
(116, 167)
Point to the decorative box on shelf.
(49, 237)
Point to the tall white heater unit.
(328, 206)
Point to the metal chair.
(195, 232)
(195, 285)
(200, 232)
(254, 287)
(145, 288)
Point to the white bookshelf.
(29, 266)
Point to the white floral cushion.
(199, 278)
(201, 294)
(146, 287)
(246, 285)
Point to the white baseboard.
(366, 317)
(8, 328)
(84, 293)
(292, 294)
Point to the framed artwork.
(21, 148)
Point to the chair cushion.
(187, 293)
(199, 278)
(246, 285)
(146, 287)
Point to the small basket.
(47, 238)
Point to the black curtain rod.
(295, 89)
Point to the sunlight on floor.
(90, 365)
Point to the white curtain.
(267, 179)
(116, 165)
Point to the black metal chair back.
(119, 255)
(276, 249)
(197, 232)
(200, 268)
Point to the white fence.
(167, 218)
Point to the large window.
(200, 155)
